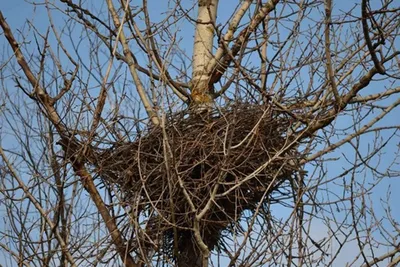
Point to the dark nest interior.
(232, 156)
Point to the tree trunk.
(201, 88)
(189, 254)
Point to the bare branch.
(371, 48)
(127, 53)
(329, 68)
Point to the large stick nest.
(238, 148)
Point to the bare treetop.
(200, 133)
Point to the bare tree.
(200, 133)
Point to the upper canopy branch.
(69, 144)
(177, 87)
(127, 53)
(222, 59)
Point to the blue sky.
(18, 12)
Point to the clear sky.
(18, 12)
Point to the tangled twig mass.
(218, 164)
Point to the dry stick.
(253, 219)
(103, 92)
(164, 74)
(168, 156)
(60, 213)
(364, 99)
(67, 83)
(37, 205)
(329, 68)
(196, 223)
(371, 48)
(132, 68)
(222, 60)
(345, 100)
(390, 254)
(280, 232)
(317, 101)
(118, 240)
(263, 55)
(14, 255)
(289, 144)
(356, 218)
(353, 135)
(233, 25)
(79, 11)
(47, 103)
(350, 71)
(394, 262)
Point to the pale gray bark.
(203, 51)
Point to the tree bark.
(201, 88)
(190, 254)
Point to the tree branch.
(70, 146)
(131, 64)
(221, 61)
(329, 68)
(371, 47)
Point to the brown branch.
(329, 68)
(70, 146)
(104, 87)
(116, 236)
(164, 74)
(371, 48)
(218, 66)
(67, 82)
(39, 93)
(345, 100)
(36, 203)
(79, 11)
(365, 99)
(130, 61)
(175, 85)
(350, 137)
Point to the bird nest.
(217, 165)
